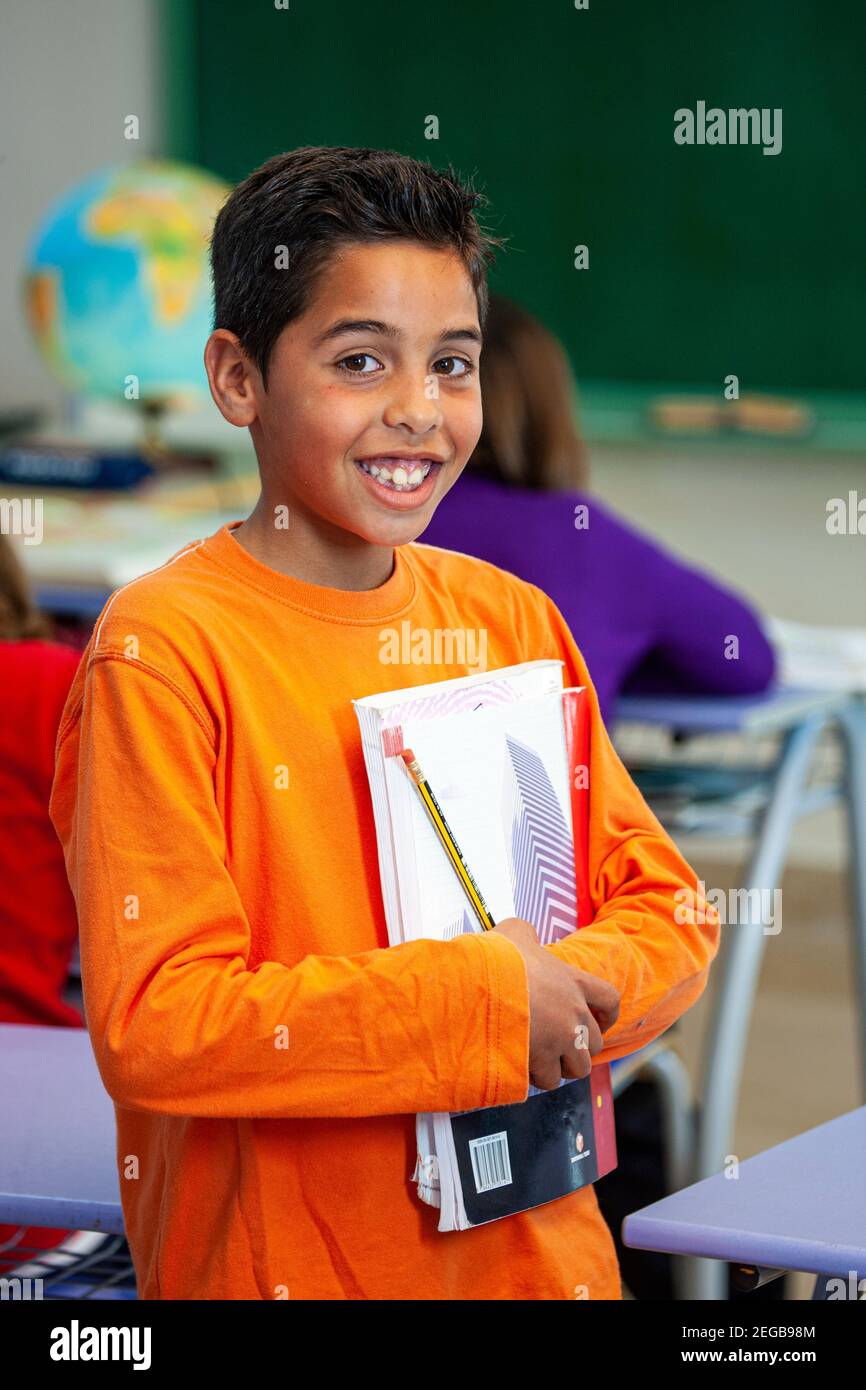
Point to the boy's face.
(405, 382)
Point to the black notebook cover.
(512, 1157)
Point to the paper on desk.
(819, 658)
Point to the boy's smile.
(371, 411)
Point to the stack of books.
(505, 757)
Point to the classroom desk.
(94, 542)
(798, 1206)
(767, 712)
(799, 717)
(57, 1158)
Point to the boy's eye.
(461, 361)
(348, 364)
(357, 357)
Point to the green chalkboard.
(704, 260)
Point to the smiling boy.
(265, 1049)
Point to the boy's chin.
(395, 530)
(381, 526)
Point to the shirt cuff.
(507, 1021)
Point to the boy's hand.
(562, 1000)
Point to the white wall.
(758, 520)
(70, 71)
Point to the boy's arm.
(652, 935)
(179, 1024)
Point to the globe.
(117, 283)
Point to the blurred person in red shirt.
(38, 923)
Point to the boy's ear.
(234, 380)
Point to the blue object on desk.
(72, 466)
(76, 602)
(800, 1206)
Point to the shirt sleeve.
(179, 1023)
(653, 935)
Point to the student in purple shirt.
(643, 619)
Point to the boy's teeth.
(398, 475)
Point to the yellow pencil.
(440, 825)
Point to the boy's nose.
(411, 408)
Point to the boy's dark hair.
(315, 199)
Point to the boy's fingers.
(578, 1065)
(587, 1042)
(546, 1080)
(587, 1036)
(601, 997)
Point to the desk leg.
(738, 969)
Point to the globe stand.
(154, 449)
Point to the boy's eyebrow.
(389, 330)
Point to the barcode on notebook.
(491, 1166)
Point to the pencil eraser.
(392, 741)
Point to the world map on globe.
(117, 283)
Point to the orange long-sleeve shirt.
(265, 1049)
